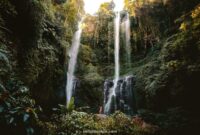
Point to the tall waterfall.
(73, 53)
(112, 94)
(127, 35)
(117, 66)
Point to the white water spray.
(117, 65)
(112, 94)
(73, 53)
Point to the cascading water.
(73, 53)
(117, 67)
(119, 93)
(124, 95)
(112, 93)
(127, 35)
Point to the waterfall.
(127, 35)
(73, 53)
(117, 66)
(118, 94)
(112, 93)
(124, 99)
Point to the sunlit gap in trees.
(92, 6)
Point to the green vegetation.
(35, 36)
(82, 123)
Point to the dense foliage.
(77, 123)
(35, 37)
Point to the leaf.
(1, 109)
(35, 114)
(11, 120)
(61, 106)
(39, 108)
(8, 104)
(12, 112)
(70, 105)
(29, 131)
(12, 98)
(17, 108)
(32, 102)
(55, 109)
(26, 117)
(2, 88)
(24, 90)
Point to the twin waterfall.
(73, 53)
(118, 93)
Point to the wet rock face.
(61, 94)
(124, 100)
